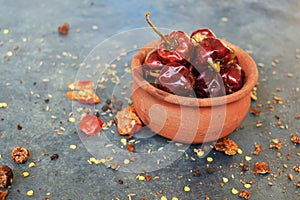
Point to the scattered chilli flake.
(255, 111)
(291, 177)
(128, 121)
(295, 139)
(296, 168)
(277, 100)
(83, 92)
(276, 143)
(244, 194)
(63, 29)
(228, 146)
(130, 147)
(261, 168)
(257, 149)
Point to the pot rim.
(251, 77)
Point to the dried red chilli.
(6, 176)
(208, 66)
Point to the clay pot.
(186, 119)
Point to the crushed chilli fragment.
(63, 29)
(130, 147)
(91, 125)
(276, 144)
(295, 139)
(257, 149)
(255, 111)
(54, 156)
(261, 168)
(245, 194)
(83, 92)
(128, 121)
(228, 146)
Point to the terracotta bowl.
(186, 119)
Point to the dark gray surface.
(269, 29)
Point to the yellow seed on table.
(224, 19)
(32, 164)
(126, 161)
(247, 185)
(123, 141)
(99, 161)
(234, 191)
(73, 146)
(248, 158)
(240, 151)
(30, 193)
(25, 174)
(92, 159)
(5, 31)
(175, 198)
(225, 180)
(95, 27)
(209, 159)
(187, 188)
(9, 54)
(71, 119)
(3, 105)
(163, 198)
(141, 178)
